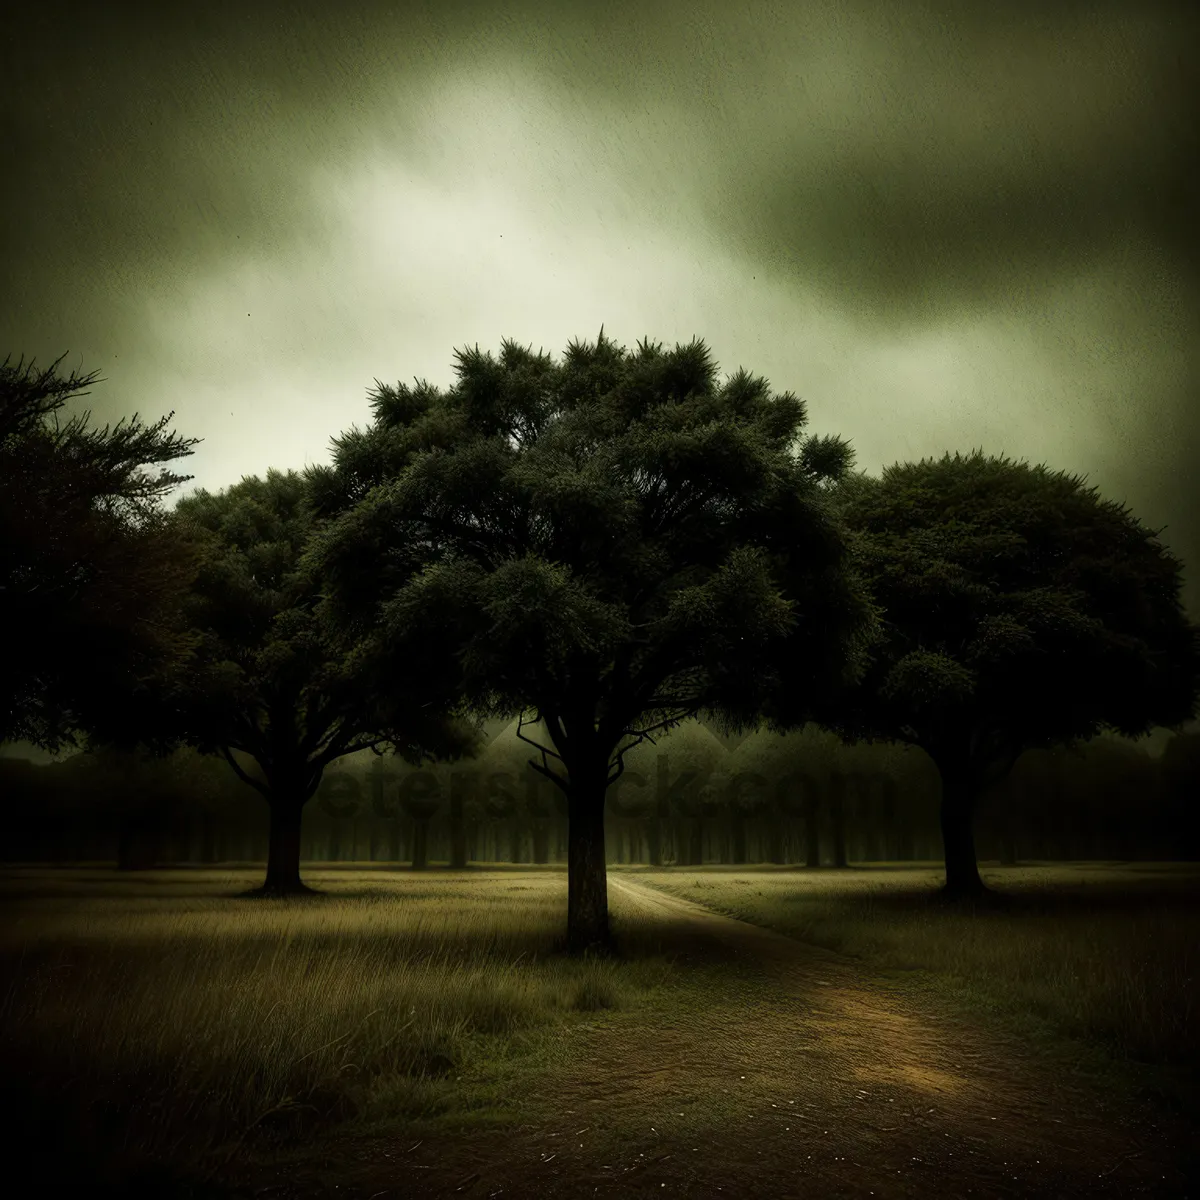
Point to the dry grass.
(155, 1018)
(160, 1019)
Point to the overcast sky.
(944, 226)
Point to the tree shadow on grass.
(302, 893)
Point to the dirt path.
(810, 1080)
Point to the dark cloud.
(971, 172)
(945, 225)
(915, 156)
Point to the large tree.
(269, 678)
(1021, 611)
(90, 575)
(613, 541)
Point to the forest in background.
(803, 799)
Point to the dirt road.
(810, 1079)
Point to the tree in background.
(1105, 788)
(612, 541)
(1180, 767)
(269, 679)
(90, 576)
(1021, 611)
(671, 770)
(142, 795)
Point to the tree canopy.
(269, 678)
(90, 575)
(1020, 611)
(613, 541)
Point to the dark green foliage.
(269, 677)
(90, 575)
(685, 516)
(1020, 611)
(613, 541)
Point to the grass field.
(156, 1018)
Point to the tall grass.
(137, 1028)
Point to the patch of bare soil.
(810, 1080)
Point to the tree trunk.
(812, 831)
(208, 838)
(136, 849)
(587, 875)
(458, 830)
(462, 785)
(837, 814)
(840, 857)
(1062, 833)
(775, 839)
(654, 841)
(1008, 823)
(1008, 845)
(283, 850)
(737, 822)
(541, 840)
(420, 849)
(960, 791)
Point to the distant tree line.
(189, 809)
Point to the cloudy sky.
(945, 226)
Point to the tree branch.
(557, 732)
(544, 768)
(317, 724)
(337, 749)
(254, 783)
(562, 784)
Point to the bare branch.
(340, 750)
(538, 746)
(562, 784)
(254, 783)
